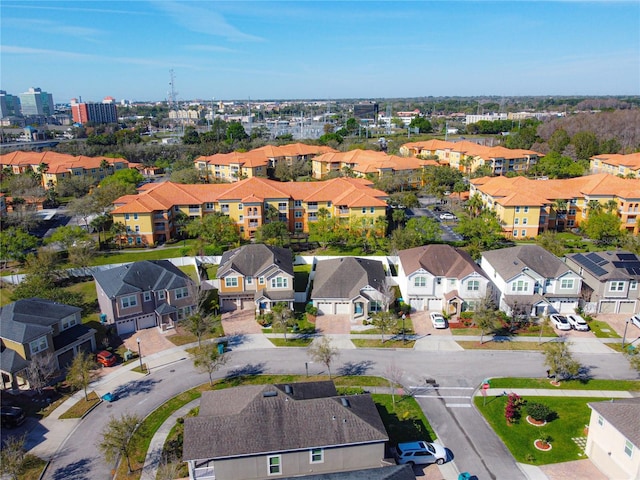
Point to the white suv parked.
(420, 453)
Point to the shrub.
(512, 408)
(311, 310)
(266, 319)
(546, 438)
(538, 411)
(466, 316)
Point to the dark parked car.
(12, 416)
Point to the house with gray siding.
(283, 430)
(610, 280)
(145, 294)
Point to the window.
(515, 233)
(420, 282)
(208, 206)
(127, 216)
(249, 280)
(517, 209)
(566, 283)
(240, 206)
(525, 221)
(633, 285)
(329, 204)
(523, 233)
(231, 282)
(130, 301)
(161, 295)
(628, 448)
(298, 214)
(274, 463)
(279, 282)
(283, 206)
(147, 296)
(135, 216)
(69, 322)
(516, 221)
(137, 228)
(182, 292)
(261, 280)
(572, 211)
(372, 209)
(38, 345)
(297, 203)
(364, 209)
(616, 286)
(526, 209)
(600, 420)
(317, 454)
(473, 285)
(519, 286)
(297, 226)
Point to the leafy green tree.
(351, 125)
(403, 238)
(117, 438)
(384, 322)
(555, 165)
(485, 317)
(208, 359)
(559, 140)
(586, 144)
(560, 361)
(427, 229)
(422, 124)
(82, 371)
(199, 325)
(235, 131)
(273, 233)
(15, 243)
(481, 232)
(127, 176)
(186, 176)
(69, 235)
(322, 351)
(550, 241)
(323, 227)
(75, 186)
(216, 228)
(38, 285)
(105, 195)
(523, 138)
(286, 172)
(191, 136)
(603, 227)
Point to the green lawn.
(404, 420)
(572, 416)
(491, 345)
(602, 329)
(134, 255)
(301, 277)
(292, 342)
(82, 406)
(593, 384)
(191, 271)
(533, 331)
(377, 343)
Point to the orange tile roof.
(346, 191)
(57, 162)
(632, 160)
(472, 149)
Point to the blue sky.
(327, 49)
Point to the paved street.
(454, 376)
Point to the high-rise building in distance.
(36, 102)
(9, 105)
(105, 112)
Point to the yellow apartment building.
(528, 207)
(57, 166)
(148, 217)
(617, 164)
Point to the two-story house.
(255, 276)
(350, 286)
(35, 326)
(262, 431)
(610, 280)
(145, 294)
(531, 281)
(441, 278)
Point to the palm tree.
(475, 205)
(594, 206)
(611, 206)
(560, 206)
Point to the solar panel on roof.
(589, 265)
(627, 256)
(597, 259)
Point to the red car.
(106, 359)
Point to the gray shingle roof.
(142, 276)
(243, 421)
(344, 277)
(28, 319)
(509, 262)
(439, 261)
(255, 259)
(624, 415)
(11, 362)
(393, 472)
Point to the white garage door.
(567, 307)
(607, 307)
(417, 304)
(435, 304)
(146, 321)
(126, 326)
(325, 308)
(627, 307)
(343, 308)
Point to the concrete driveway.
(240, 322)
(333, 324)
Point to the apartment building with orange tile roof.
(57, 166)
(235, 166)
(370, 163)
(148, 217)
(616, 164)
(528, 207)
(467, 156)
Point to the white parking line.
(458, 405)
(442, 396)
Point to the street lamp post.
(624, 337)
(403, 334)
(139, 354)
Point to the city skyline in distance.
(325, 50)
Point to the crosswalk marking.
(458, 405)
(442, 396)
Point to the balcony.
(312, 207)
(343, 210)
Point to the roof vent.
(345, 402)
(288, 390)
(271, 393)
